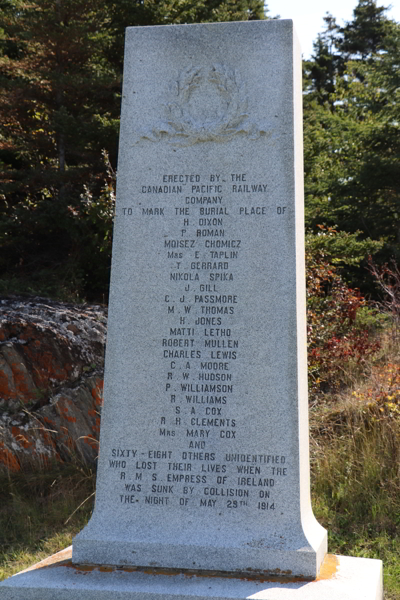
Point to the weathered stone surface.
(204, 446)
(51, 377)
(56, 578)
(169, 500)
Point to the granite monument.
(204, 460)
(204, 446)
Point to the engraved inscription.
(190, 460)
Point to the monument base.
(56, 578)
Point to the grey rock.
(51, 377)
(204, 446)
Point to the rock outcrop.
(51, 379)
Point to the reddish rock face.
(51, 378)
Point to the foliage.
(387, 278)
(60, 73)
(355, 453)
(60, 110)
(365, 34)
(341, 247)
(339, 341)
(351, 125)
(359, 40)
(61, 248)
(382, 397)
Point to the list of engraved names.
(199, 348)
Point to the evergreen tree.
(352, 149)
(366, 33)
(59, 111)
(60, 76)
(359, 39)
(323, 67)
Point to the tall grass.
(38, 513)
(355, 450)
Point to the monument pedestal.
(56, 578)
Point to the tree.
(357, 40)
(323, 67)
(366, 33)
(60, 75)
(352, 146)
(59, 110)
(58, 84)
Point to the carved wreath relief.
(210, 105)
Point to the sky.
(308, 16)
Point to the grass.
(355, 460)
(38, 515)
